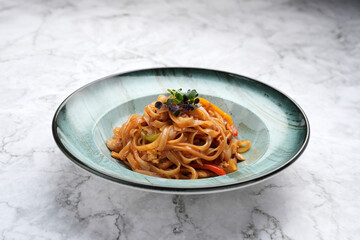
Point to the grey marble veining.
(307, 49)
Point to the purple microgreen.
(169, 102)
(179, 103)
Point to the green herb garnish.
(179, 103)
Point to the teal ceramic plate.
(275, 124)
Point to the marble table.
(307, 49)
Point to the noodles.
(198, 143)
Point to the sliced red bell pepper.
(234, 130)
(211, 167)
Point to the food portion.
(181, 136)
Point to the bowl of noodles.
(181, 130)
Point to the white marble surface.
(308, 49)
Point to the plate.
(277, 127)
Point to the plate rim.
(180, 190)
